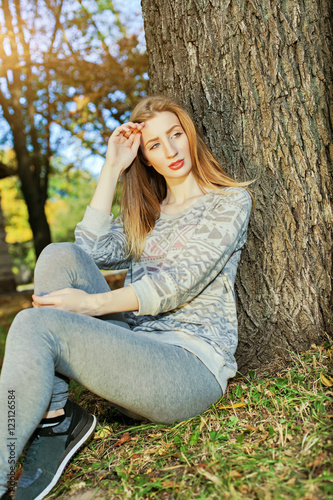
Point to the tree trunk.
(257, 75)
(33, 189)
(7, 281)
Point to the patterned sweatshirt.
(185, 277)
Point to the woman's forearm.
(96, 304)
(103, 197)
(121, 300)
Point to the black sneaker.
(49, 451)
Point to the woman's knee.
(56, 267)
(56, 253)
(26, 324)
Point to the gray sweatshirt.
(185, 277)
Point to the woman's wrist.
(115, 169)
(120, 300)
(102, 303)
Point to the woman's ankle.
(54, 413)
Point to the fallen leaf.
(103, 433)
(102, 474)
(126, 437)
(230, 407)
(318, 460)
(174, 467)
(235, 474)
(208, 475)
(243, 489)
(308, 497)
(326, 381)
(170, 484)
(251, 428)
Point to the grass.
(269, 438)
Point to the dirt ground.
(86, 494)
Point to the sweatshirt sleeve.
(220, 233)
(102, 239)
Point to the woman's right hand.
(123, 146)
(122, 149)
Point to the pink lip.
(176, 164)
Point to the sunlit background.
(71, 71)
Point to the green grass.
(269, 438)
(275, 442)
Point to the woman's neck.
(181, 195)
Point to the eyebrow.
(167, 132)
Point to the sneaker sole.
(67, 458)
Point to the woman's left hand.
(69, 299)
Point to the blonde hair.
(144, 189)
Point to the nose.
(170, 149)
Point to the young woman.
(160, 348)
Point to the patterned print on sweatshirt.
(185, 277)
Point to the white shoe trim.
(65, 461)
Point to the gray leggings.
(133, 370)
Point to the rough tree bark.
(257, 76)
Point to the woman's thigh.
(135, 371)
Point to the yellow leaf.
(235, 474)
(103, 433)
(230, 407)
(326, 381)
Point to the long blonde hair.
(144, 189)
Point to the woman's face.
(166, 147)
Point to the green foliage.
(78, 69)
(70, 193)
(70, 72)
(276, 445)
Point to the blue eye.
(154, 145)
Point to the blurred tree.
(19, 234)
(69, 193)
(257, 76)
(68, 63)
(7, 280)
